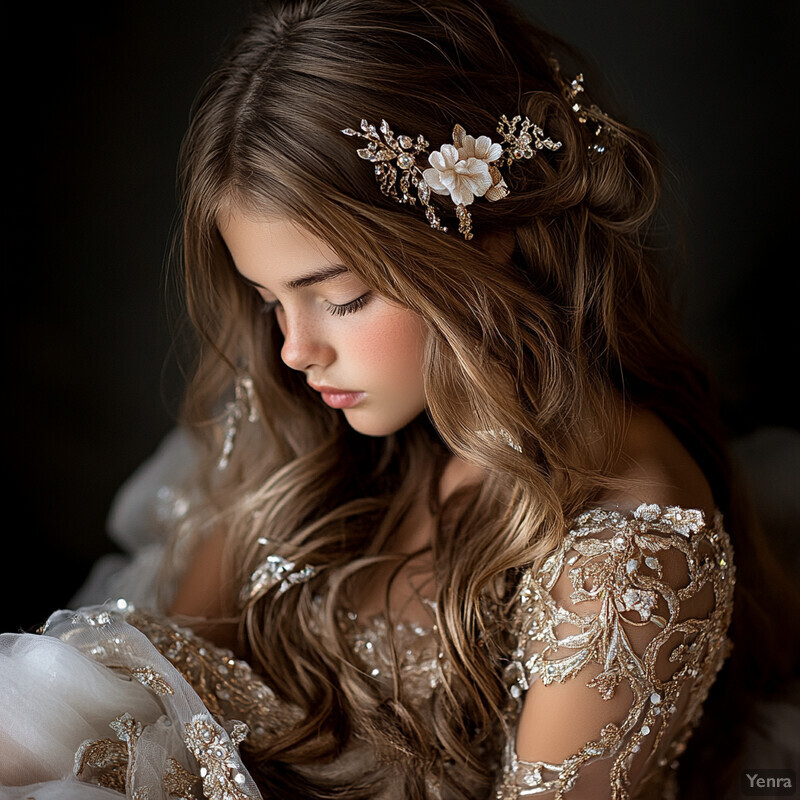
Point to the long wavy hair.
(550, 337)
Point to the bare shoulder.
(657, 468)
(201, 589)
(203, 597)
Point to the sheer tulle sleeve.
(620, 634)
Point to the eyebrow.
(318, 276)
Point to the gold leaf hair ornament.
(466, 169)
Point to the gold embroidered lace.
(618, 637)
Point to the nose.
(304, 344)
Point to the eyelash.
(349, 308)
(332, 308)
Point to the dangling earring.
(243, 405)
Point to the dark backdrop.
(96, 104)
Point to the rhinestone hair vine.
(588, 114)
(466, 169)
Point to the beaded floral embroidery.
(599, 615)
(617, 560)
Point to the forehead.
(272, 247)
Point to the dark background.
(97, 100)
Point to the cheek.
(395, 344)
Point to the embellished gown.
(628, 617)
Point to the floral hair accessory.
(466, 169)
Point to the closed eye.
(351, 307)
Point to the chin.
(373, 425)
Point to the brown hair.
(543, 345)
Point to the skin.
(338, 336)
(377, 349)
(336, 331)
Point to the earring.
(243, 405)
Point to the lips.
(338, 398)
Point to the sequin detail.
(416, 646)
(147, 676)
(103, 762)
(219, 771)
(617, 572)
(227, 686)
(180, 783)
(619, 562)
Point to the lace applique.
(417, 648)
(619, 562)
(103, 762)
(157, 746)
(227, 686)
(216, 755)
(147, 676)
(180, 783)
(107, 763)
(604, 615)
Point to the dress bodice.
(625, 621)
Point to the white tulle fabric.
(92, 678)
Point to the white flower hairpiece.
(466, 169)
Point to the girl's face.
(360, 351)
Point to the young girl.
(456, 518)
